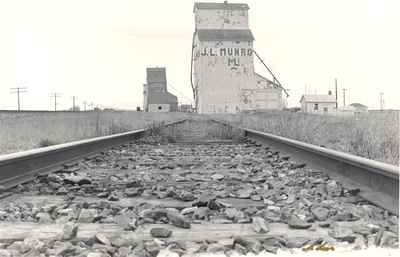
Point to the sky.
(98, 50)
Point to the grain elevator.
(223, 76)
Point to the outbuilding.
(318, 104)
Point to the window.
(159, 107)
(315, 106)
(325, 109)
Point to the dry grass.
(27, 130)
(373, 136)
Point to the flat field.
(374, 135)
(26, 130)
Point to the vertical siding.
(221, 19)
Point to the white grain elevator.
(223, 76)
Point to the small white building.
(318, 104)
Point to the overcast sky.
(98, 50)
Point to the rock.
(260, 225)
(77, 179)
(252, 245)
(389, 239)
(49, 208)
(113, 198)
(101, 238)
(203, 200)
(365, 229)
(297, 165)
(123, 241)
(188, 210)
(320, 213)
(87, 215)
(69, 231)
(5, 253)
(192, 247)
(216, 205)
(296, 223)
(333, 188)
(217, 176)
(34, 244)
(160, 232)
(132, 192)
(372, 212)
(123, 251)
(359, 243)
(201, 213)
(186, 196)
(63, 248)
(152, 247)
(234, 214)
(19, 246)
(95, 254)
(325, 224)
(296, 242)
(240, 249)
(244, 193)
(167, 253)
(215, 247)
(342, 234)
(125, 222)
(178, 220)
(44, 217)
(155, 214)
(103, 195)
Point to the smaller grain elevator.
(224, 80)
(156, 98)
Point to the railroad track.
(193, 186)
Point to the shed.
(319, 104)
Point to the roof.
(358, 105)
(319, 98)
(220, 6)
(274, 84)
(269, 82)
(225, 35)
(156, 75)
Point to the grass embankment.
(373, 135)
(27, 130)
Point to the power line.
(336, 93)
(73, 103)
(344, 97)
(183, 95)
(18, 91)
(55, 95)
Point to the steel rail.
(378, 182)
(17, 168)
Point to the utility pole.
(55, 95)
(18, 91)
(344, 97)
(381, 101)
(336, 93)
(73, 103)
